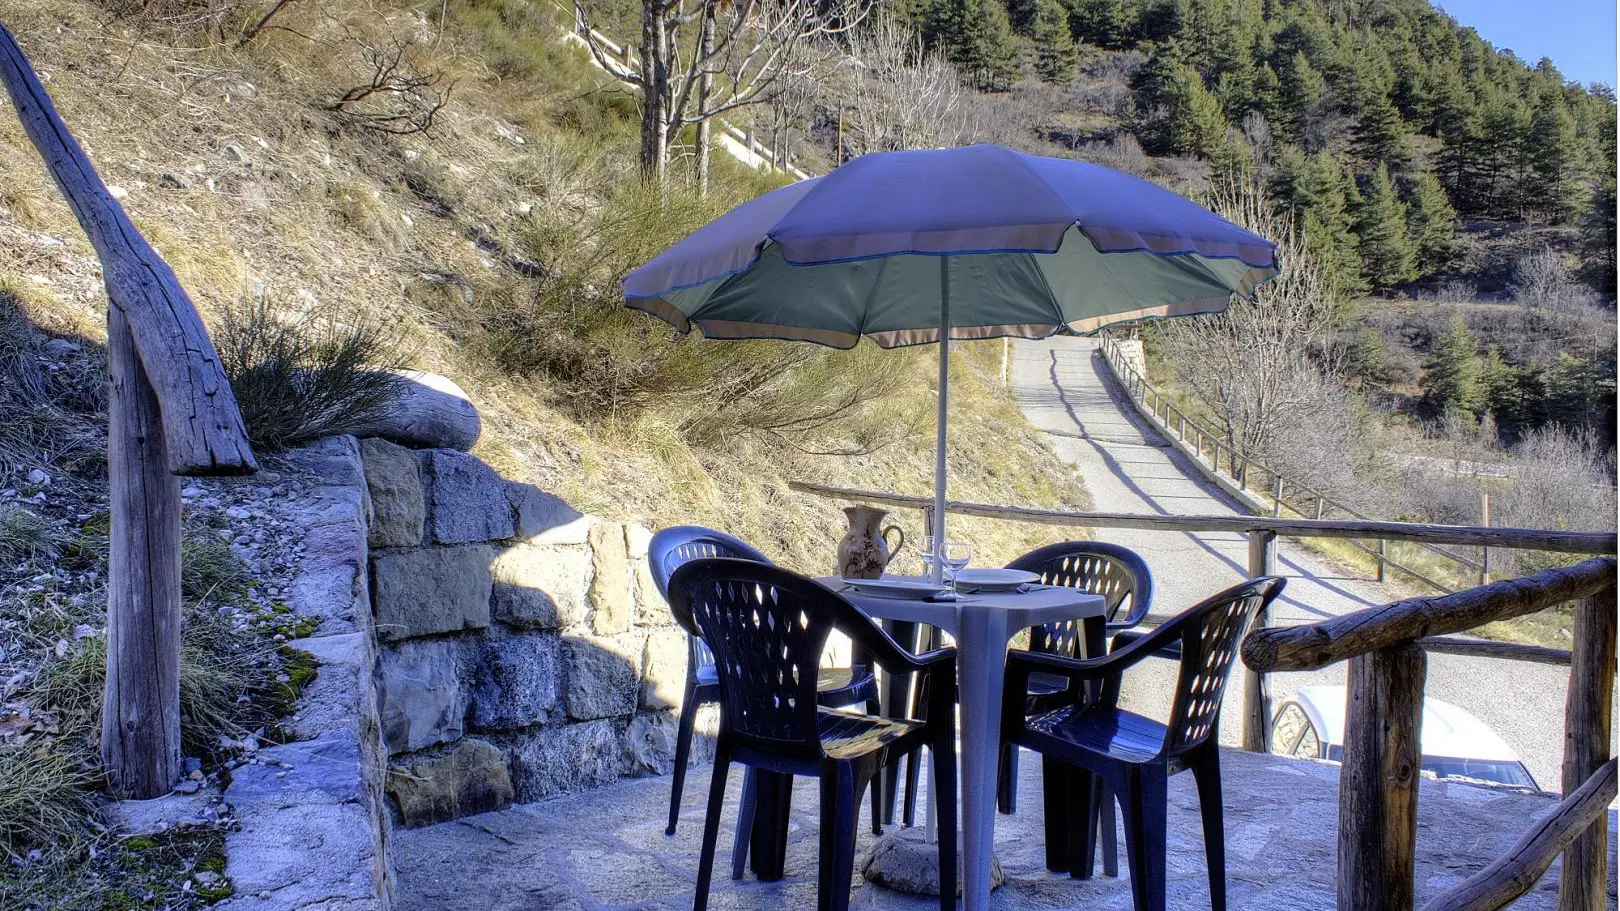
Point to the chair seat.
(835, 686)
(1044, 684)
(1115, 733)
(846, 736)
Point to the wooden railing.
(1262, 532)
(1378, 781)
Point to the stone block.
(651, 608)
(601, 677)
(515, 683)
(535, 512)
(335, 460)
(421, 698)
(322, 771)
(650, 743)
(540, 586)
(663, 669)
(398, 506)
(319, 857)
(330, 585)
(636, 540)
(433, 590)
(559, 760)
(470, 778)
(466, 499)
(342, 693)
(610, 580)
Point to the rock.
(420, 695)
(343, 690)
(536, 512)
(651, 608)
(515, 684)
(160, 814)
(466, 499)
(663, 669)
(904, 862)
(610, 580)
(334, 460)
(600, 677)
(188, 786)
(434, 590)
(321, 857)
(636, 540)
(540, 587)
(431, 412)
(325, 770)
(39, 478)
(650, 743)
(558, 760)
(471, 778)
(394, 479)
(331, 584)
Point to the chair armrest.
(1171, 650)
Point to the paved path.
(1066, 391)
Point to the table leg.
(982, 636)
(894, 698)
(773, 804)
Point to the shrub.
(303, 379)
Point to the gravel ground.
(1128, 468)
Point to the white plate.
(907, 589)
(993, 580)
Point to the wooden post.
(1484, 552)
(1588, 727)
(1378, 782)
(1276, 497)
(1383, 552)
(1321, 501)
(140, 715)
(1256, 688)
(1200, 436)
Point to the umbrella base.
(904, 861)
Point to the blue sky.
(1578, 35)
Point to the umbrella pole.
(938, 531)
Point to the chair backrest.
(672, 548)
(767, 628)
(1210, 631)
(1116, 573)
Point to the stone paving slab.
(605, 849)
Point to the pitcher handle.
(901, 543)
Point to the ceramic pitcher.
(865, 550)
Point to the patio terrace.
(606, 849)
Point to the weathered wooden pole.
(171, 412)
(1378, 782)
(1588, 729)
(1256, 688)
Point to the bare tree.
(1260, 366)
(702, 58)
(895, 94)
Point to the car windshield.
(1498, 771)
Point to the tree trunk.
(655, 97)
(140, 718)
(705, 88)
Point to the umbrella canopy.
(911, 247)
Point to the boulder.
(466, 500)
(394, 478)
(904, 861)
(469, 778)
(420, 694)
(663, 669)
(601, 677)
(650, 743)
(430, 412)
(434, 590)
(539, 586)
(558, 760)
(515, 684)
(535, 512)
(610, 580)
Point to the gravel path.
(1063, 389)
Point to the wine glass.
(956, 556)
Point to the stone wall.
(523, 650)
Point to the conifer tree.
(975, 35)
(1451, 377)
(1055, 53)
(1386, 253)
(1299, 97)
(1377, 137)
(1550, 148)
(1432, 225)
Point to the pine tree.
(1386, 254)
(1325, 197)
(1377, 136)
(1055, 53)
(1299, 98)
(1598, 238)
(1550, 148)
(1195, 123)
(975, 35)
(1451, 377)
(1432, 225)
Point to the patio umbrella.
(914, 247)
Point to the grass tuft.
(25, 536)
(44, 800)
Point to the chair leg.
(1108, 824)
(838, 822)
(711, 830)
(1079, 819)
(1144, 806)
(683, 751)
(745, 824)
(1007, 780)
(1207, 772)
(943, 758)
(1055, 781)
(908, 814)
(877, 797)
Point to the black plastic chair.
(1126, 584)
(767, 628)
(667, 552)
(1134, 755)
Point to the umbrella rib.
(871, 294)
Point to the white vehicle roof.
(1447, 729)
